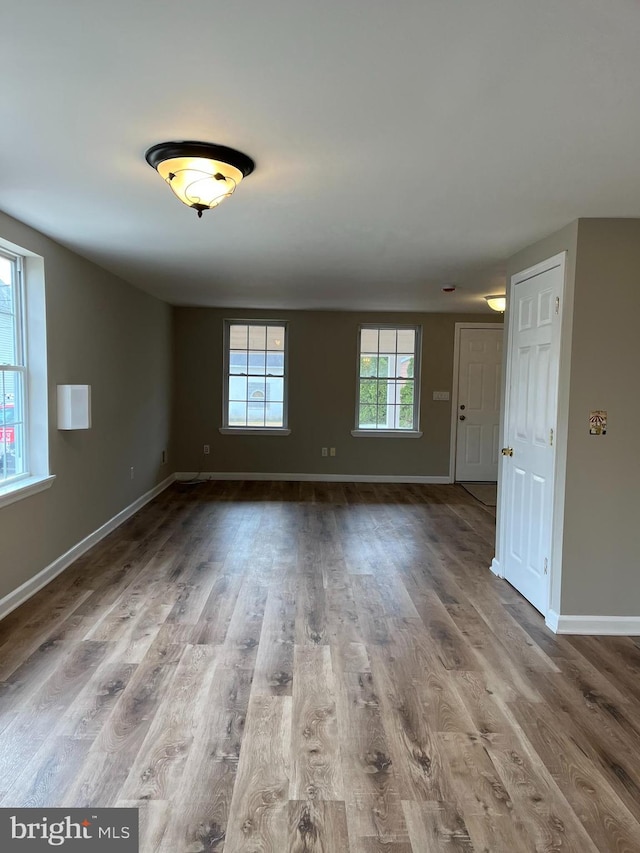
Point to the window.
(24, 429)
(13, 461)
(255, 376)
(388, 379)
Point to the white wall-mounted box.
(74, 406)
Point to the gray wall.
(597, 509)
(322, 388)
(105, 333)
(601, 552)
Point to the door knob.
(463, 417)
(462, 407)
(507, 451)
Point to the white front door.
(530, 423)
(479, 382)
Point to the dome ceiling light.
(497, 302)
(201, 174)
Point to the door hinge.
(557, 304)
(546, 566)
(551, 437)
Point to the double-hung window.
(388, 380)
(24, 415)
(255, 390)
(13, 371)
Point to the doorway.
(528, 458)
(477, 387)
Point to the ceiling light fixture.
(200, 174)
(497, 302)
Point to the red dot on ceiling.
(448, 289)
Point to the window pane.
(405, 417)
(384, 365)
(12, 454)
(238, 336)
(238, 362)
(256, 390)
(368, 365)
(385, 392)
(17, 459)
(7, 339)
(385, 417)
(406, 340)
(6, 290)
(8, 466)
(368, 390)
(9, 382)
(367, 414)
(388, 340)
(237, 388)
(275, 414)
(255, 414)
(16, 390)
(237, 414)
(275, 390)
(368, 340)
(275, 337)
(405, 394)
(257, 363)
(257, 337)
(406, 366)
(275, 363)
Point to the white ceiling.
(399, 146)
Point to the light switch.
(440, 395)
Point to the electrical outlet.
(325, 452)
(206, 450)
(132, 472)
(332, 451)
(164, 457)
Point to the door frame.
(557, 488)
(454, 390)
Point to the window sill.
(386, 433)
(255, 431)
(20, 489)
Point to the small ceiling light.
(497, 302)
(200, 174)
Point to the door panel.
(479, 384)
(526, 505)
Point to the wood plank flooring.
(317, 668)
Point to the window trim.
(386, 433)
(226, 428)
(415, 432)
(23, 487)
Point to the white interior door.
(479, 383)
(530, 423)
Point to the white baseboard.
(495, 568)
(613, 626)
(311, 478)
(37, 582)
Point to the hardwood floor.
(317, 668)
